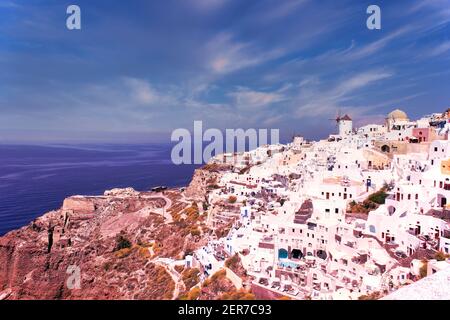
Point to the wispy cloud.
(282, 9)
(160, 64)
(355, 52)
(319, 101)
(142, 93)
(227, 55)
(207, 5)
(439, 49)
(246, 98)
(9, 4)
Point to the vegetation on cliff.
(372, 202)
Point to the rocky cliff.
(103, 247)
(204, 180)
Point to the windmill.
(338, 117)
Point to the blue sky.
(139, 69)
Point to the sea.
(35, 179)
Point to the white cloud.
(142, 93)
(354, 52)
(440, 49)
(227, 55)
(359, 81)
(245, 97)
(318, 101)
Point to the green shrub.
(378, 197)
(232, 261)
(122, 242)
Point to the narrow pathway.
(176, 277)
(166, 207)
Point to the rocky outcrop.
(79, 205)
(52, 255)
(200, 184)
(204, 180)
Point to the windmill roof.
(346, 117)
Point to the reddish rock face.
(80, 205)
(35, 260)
(204, 180)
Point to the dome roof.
(398, 115)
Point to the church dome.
(398, 115)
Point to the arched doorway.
(441, 200)
(391, 209)
(297, 254)
(282, 254)
(385, 148)
(321, 254)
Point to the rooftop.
(434, 287)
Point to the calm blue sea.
(36, 179)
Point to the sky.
(139, 69)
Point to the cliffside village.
(364, 212)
